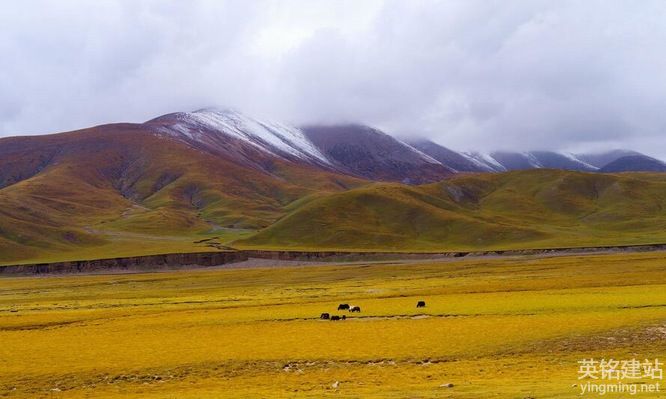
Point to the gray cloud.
(567, 75)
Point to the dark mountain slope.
(369, 153)
(77, 191)
(554, 160)
(635, 163)
(602, 159)
(454, 160)
(196, 181)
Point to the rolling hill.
(208, 179)
(521, 209)
(122, 189)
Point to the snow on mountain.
(365, 151)
(533, 160)
(457, 161)
(516, 160)
(505, 161)
(601, 159)
(421, 154)
(484, 161)
(274, 138)
(357, 149)
(574, 158)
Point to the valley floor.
(493, 328)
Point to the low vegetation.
(503, 327)
(515, 210)
(120, 190)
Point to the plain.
(511, 327)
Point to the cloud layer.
(565, 75)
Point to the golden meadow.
(493, 327)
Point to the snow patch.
(485, 161)
(573, 158)
(274, 138)
(532, 160)
(421, 154)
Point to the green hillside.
(122, 191)
(119, 190)
(523, 209)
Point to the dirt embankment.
(133, 263)
(208, 259)
(346, 256)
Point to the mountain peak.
(369, 152)
(460, 162)
(217, 110)
(214, 127)
(632, 163)
(359, 149)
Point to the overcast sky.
(563, 75)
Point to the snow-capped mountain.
(218, 129)
(458, 161)
(358, 150)
(355, 150)
(602, 159)
(567, 160)
(502, 161)
(516, 160)
(541, 159)
(485, 162)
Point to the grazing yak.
(355, 309)
(343, 306)
(325, 316)
(420, 304)
(336, 318)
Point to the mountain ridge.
(502, 161)
(634, 162)
(255, 142)
(539, 208)
(174, 184)
(370, 153)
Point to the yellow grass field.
(493, 327)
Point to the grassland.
(504, 327)
(120, 190)
(515, 210)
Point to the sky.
(472, 75)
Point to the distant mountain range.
(636, 162)
(502, 161)
(178, 181)
(355, 150)
(366, 152)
